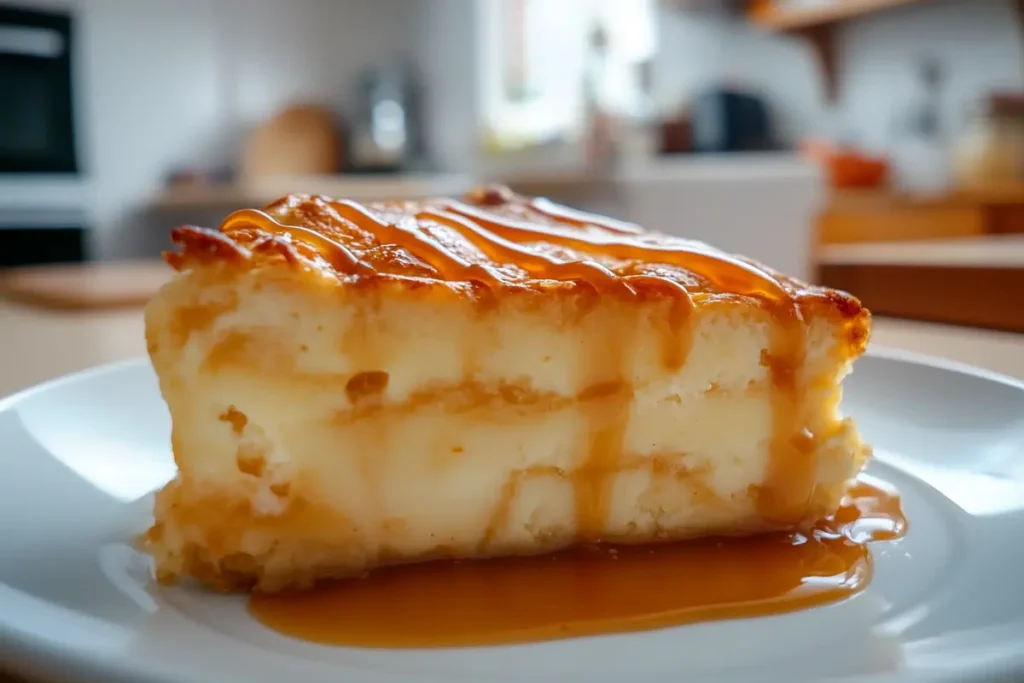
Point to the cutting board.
(85, 286)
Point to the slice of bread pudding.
(354, 386)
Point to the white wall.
(446, 36)
(161, 85)
(691, 54)
(150, 101)
(277, 51)
(978, 41)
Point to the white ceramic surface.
(79, 456)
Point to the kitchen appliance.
(731, 120)
(34, 236)
(36, 114)
(385, 135)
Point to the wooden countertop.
(993, 251)
(40, 344)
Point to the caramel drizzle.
(790, 474)
(540, 265)
(727, 272)
(420, 244)
(335, 253)
(509, 492)
(607, 418)
(792, 469)
(582, 219)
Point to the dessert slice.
(354, 386)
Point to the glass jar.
(991, 150)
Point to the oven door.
(36, 118)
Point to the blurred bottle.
(600, 123)
(920, 151)
(991, 150)
(675, 130)
(639, 134)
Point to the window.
(538, 56)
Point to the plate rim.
(886, 352)
(27, 652)
(10, 400)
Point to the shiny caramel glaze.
(494, 243)
(595, 590)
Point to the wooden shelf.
(1003, 194)
(866, 216)
(816, 23)
(770, 16)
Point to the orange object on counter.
(847, 168)
(851, 169)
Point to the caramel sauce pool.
(595, 590)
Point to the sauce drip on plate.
(595, 590)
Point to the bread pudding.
(353, 386)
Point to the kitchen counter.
(675, 167)
(533, 179)
(261, 191)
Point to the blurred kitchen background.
(873, 145)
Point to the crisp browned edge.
(201, 246)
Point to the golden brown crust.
(200, 246)
(496, 243)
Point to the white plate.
(79, 456)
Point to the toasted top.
(490, 239)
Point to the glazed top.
(490, 238)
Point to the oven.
(36, 114)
